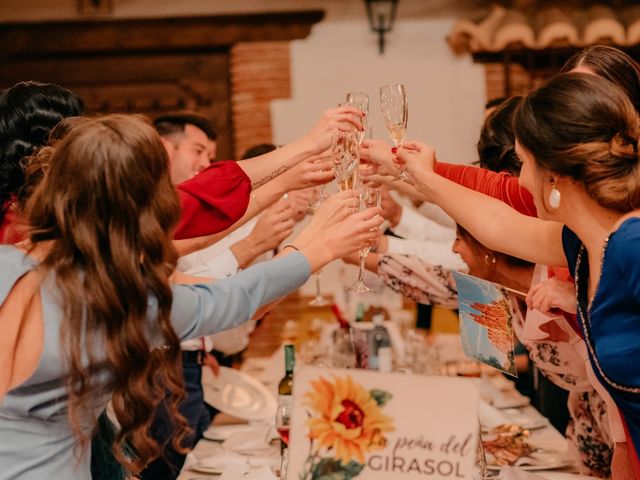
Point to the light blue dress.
(36, 442)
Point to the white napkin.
(233, 472)
(262, 473)
(223, 460)
(512, 473)
(490, 416)
(254, 440)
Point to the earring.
(554, 197)
(490, 259)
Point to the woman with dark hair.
(577, 137)
(87, 309)
(28, 112)
(610, 63)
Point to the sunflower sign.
(350, 424)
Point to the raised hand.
(552, 294)
(341, 119)
(377, 158)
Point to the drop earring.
(490, 259)
(554, 197)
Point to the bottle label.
(286, 400)
(385, 360)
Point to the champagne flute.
(369, 197)
(395, 109)
(346, 159)
(319, 196)
(361, 102)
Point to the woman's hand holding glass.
(332, 121)
(376, 157)
(419, 159)
(346, 159)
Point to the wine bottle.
(285, 387)
(380, 358)
(285, 401)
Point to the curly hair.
(28, 112)
(106, 209)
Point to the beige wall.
(446, 93)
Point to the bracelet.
(255, 199)
(290, 245)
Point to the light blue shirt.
(36, 442)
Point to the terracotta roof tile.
(504, 29)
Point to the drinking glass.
(318, 300)
(283, 420)
(395, 109)
(361, 102)
(346, 159)
(369, 197)
(315, 202)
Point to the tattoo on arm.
(258, 183)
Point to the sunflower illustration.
(346, 418)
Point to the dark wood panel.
(149, 34)
(147, 66)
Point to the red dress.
(213, 200)
(500, 185)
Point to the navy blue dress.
(611, 322)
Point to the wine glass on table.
(395, 109)
(369, 197)
(283, 420)
(361, 102)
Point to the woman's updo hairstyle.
(496, 146)
(28, 112)
(585, 128)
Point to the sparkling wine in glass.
(361, 102)
(369, 197)
(395, 109)
(346, 159)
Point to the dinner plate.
(219, 433)
(545, 460)
(238, 394)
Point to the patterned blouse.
(554, 347)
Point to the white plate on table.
(538, 461)
(238, 394)
(219, 433)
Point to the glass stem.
(363, 256)
(318, 295)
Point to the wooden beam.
(161, 34)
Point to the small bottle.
(285, 401)
(360, 312)
(380, 345)
(285, 387)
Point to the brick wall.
(260, 72)
(521, 81)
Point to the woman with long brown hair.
(87, 309)
(577, 137)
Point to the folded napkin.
(262, 473)
(490, 417)
(248, 441)
(514, 473)
(223, 460)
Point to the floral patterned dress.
(555, 348)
